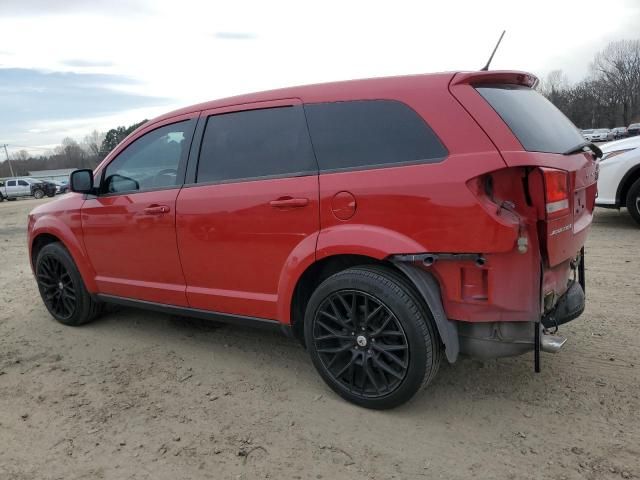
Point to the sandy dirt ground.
(146, 396)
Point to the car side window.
(370, 133)
(11, 183)
(150, 162)
(22, 183)
(252, 144)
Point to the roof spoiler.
(495, 76)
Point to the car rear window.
(534, 120)
(369, 133)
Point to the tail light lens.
(556, 192)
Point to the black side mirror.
(119, 183)
(81, 181)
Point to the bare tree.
(555, 82)
(618, 68)
(20, 155)
(92, 142)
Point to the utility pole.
(8, 159)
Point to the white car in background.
(619, 178)
(598, 135)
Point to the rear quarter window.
(534, 120)
(370, 133)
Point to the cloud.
(78, 62)
(235, 35)
(62, 7)
(34, 99)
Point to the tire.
(1, 198)
(358, 362)
(61, 287)
(38, 194)
(633, 201)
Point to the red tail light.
(556, 191)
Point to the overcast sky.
(70, 66)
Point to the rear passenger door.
(249, 205)
(23, 188)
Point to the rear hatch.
(534, 136)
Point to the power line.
(32, 148)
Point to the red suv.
(384, 223)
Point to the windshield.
(587, 131)
(602, 130)
(534, 120)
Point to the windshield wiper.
(583, 147)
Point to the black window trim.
(182, 164)
(196, 147)
(379, 166)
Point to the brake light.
(556, 192)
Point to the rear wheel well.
(629, 179)
(39, 242)
(317, 273)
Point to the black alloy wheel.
(56, 287)
(62, 288)
(361, 343)
(371, 337)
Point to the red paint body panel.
(234, 244)
(224, 247)
(135, 253)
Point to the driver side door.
(129, 226)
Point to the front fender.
(68, 231)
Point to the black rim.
(57, 287)
(361, 343)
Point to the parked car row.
(598, 135)
(13, 188)
(607, 135)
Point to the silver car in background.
(598, 135)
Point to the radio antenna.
(486, 67)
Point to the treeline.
(609, 97)
(69, 154)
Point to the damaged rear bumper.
(505, 339)
(569, 307)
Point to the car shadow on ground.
(278, 355)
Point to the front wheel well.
(40, 242)
(625, 185)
